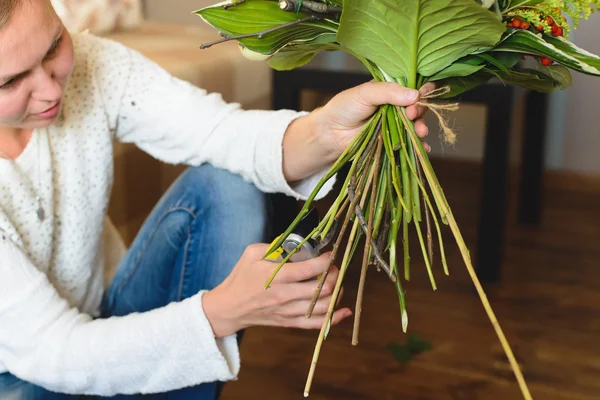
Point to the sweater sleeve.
(46, 342)
(179, 123)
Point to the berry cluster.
(543, 20)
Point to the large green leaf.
(460, 84)
(555, 77)
(545, 79)
(291, 57)
(406, 37)
(557, 49)
(458, 69)
(259, 15)
(472, 63)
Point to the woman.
(194, 276)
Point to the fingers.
(304, 270)
(373, 94)
(426, 88)
(421, 128)
(294, 291)
(315, 322)
(298, 308)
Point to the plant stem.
(368, 240)
(406, 249)
(338, 241)
(357, 146)
(365, 228)
(336, 291)
(428, 170)
(427, 215)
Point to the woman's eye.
(53, 50)
(8, 84)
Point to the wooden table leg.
(283, 209)
(492, 215)
(532, 159)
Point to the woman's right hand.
(241, 300)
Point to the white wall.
(179, 11)
(582, 117)
(573, 133)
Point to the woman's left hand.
(334, 125)
(344, 115)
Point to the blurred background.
(524, 183)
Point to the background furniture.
(326, 73)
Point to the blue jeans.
(190, 242)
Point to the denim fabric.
(190, 242)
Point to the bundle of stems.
(384, 192)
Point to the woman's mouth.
(49, 113)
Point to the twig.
(382, 235)
(336, 291)
(363, 225)
(369, 237)
(308, 5)
(338, 241)
(260, 34)
(232, 4)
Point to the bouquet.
(391, 186)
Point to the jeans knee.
(229, 201)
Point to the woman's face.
(36, 60)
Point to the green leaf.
(507, 58)
(456, 69)
(291, 57)
(459, 85)
(491, 60)
(561, 75)
(256, 16)
(470, 64)
(530, 79)
(417, 36)
(556, 49)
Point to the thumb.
(373, 94)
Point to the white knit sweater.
(51, 272)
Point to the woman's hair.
(7, 7)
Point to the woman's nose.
(47, 88)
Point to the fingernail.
(411, 94)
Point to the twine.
(436, 108)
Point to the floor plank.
(548, 304)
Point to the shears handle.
(306, 252)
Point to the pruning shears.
(311, 248)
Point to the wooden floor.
(548, 304)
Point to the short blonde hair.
(7, 7)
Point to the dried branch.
(336, 245)
(363, 225)
(260, 34)
(369, 235)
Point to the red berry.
(557, 31)
(524, 25)
(550, 21)
(539, 28)
(516, 23)
(546, 61)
